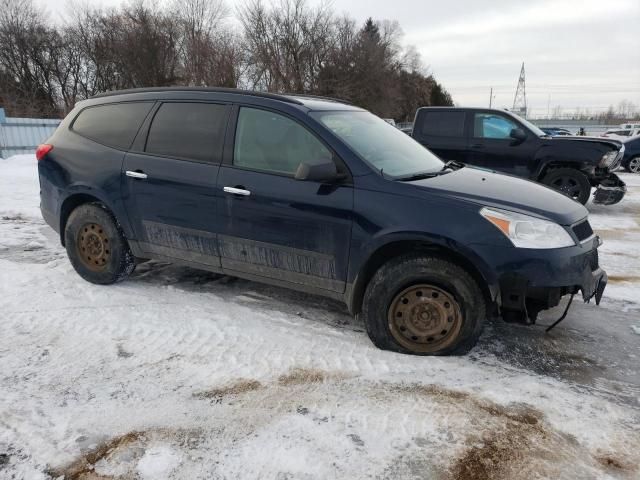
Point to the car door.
(443, 132)
(169, 181)
(272, 225)
(491, 145)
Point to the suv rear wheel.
(423, 305)
(570, 182)
(96, 245)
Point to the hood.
(607, 142)
(487, 188)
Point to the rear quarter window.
(442, 124)
(114, 125)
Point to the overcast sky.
(577, 53)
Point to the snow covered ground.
(182, 374)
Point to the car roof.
(484, 109)
(311, 102)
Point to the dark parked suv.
(315, 195)
(501, 141)
(631, 159)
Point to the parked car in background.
(631, 158)
(622, 134)
(407, 130)
(502, 141)
(390, 121)
(556, 132)
(314, 195)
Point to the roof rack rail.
(319, 97)
(254, 93)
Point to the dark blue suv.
(315, 195)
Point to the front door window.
(492, 126)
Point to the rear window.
(442, 124)
(114, 124)
(193, 131)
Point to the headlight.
(528, 232)
(608, 158)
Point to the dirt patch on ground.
(514, 439)
(613, 463)
(14, 218)
(82, 468)
(433, 390)
(499, 453)
(295, 376)
(624, 278)
(516, 413)
(236, 388)
(300, 376)
(513, 434)
(617, 234)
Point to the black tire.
(633, 164)
(96, 245)
(412, 272)
(570, 182)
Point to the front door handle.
(137, 174)
(477, 145)
(237, 191)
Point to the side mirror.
(518, 134)
(320, 171)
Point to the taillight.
(43, 150)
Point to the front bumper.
(530, 281)
(611, 190)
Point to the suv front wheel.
(570, 182)
(633, 165)
(423, 305)
(96, 245)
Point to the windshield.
(381, 145)
(536, 130)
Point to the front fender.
(407, 240)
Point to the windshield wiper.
(454, 165)
(419, 176)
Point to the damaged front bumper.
(540, 282)
(610, 191)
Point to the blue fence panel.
(23, 135)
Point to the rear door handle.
(237, 191)
(477, 145)
(136, 174)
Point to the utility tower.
(520, 100)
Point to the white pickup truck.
(623, 133)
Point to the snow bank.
(183, 374)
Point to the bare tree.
(201, 36)
(281, 46)
(286, 43)
(25, 58)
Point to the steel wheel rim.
(424, 318)
(93, 246)
(634, 165)
(567, 186)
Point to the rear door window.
(113, 124)
(443, 124)
(192, 131)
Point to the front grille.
(583, 230)
(616, 162)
